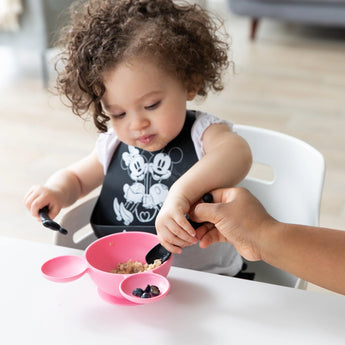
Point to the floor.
(291, 79)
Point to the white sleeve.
(106, 145)
(203, 121)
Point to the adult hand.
(235, 216)
(312, 253)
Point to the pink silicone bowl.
(101, 257)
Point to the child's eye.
(117, 116)
(153, 106)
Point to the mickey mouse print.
(143, 198)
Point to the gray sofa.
(316, 12)
(40, 22)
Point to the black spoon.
(48, 222)
(159, 252)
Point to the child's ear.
(194, 87)
(191, 94)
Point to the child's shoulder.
(106, 138)
(106, 144)
(203, 120)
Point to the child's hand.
(39, 196)
(173, 229)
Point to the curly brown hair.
(183, 39)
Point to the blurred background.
(290, 77)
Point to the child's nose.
(139, 122)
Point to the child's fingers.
(173, 249)
(185, 225)
(172, 242)
(30, 197)
(171, 226)
(28, 200)
(54, 210)
(181, 234)
(34, 200)
(42, 201)
(38, 204)
(168, 242)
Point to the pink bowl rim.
(123, 274)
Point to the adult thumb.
(205, 212)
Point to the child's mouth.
(146, 139)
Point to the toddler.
(133, 65)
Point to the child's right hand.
(39, 196)
(174, 231)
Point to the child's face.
(146, 105)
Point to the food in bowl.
(150, 291)
(132, 267)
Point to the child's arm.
(66, 186)
(226, 162)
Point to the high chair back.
(77, 223)
(289, 187)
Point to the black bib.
(137, 183)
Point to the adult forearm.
(314, 254)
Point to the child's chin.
(155, 146)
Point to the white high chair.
(77, 223)
(292, 195)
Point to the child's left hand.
(173, 229)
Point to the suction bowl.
(101, 257)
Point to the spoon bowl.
(157, 252)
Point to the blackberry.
(138, 292)
(154, 290)
(146, 295)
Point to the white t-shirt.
(221, 258)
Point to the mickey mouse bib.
(137, 183)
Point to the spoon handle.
(207, 197)
(48, 222)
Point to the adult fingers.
(206, 213)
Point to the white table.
(200, 308)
